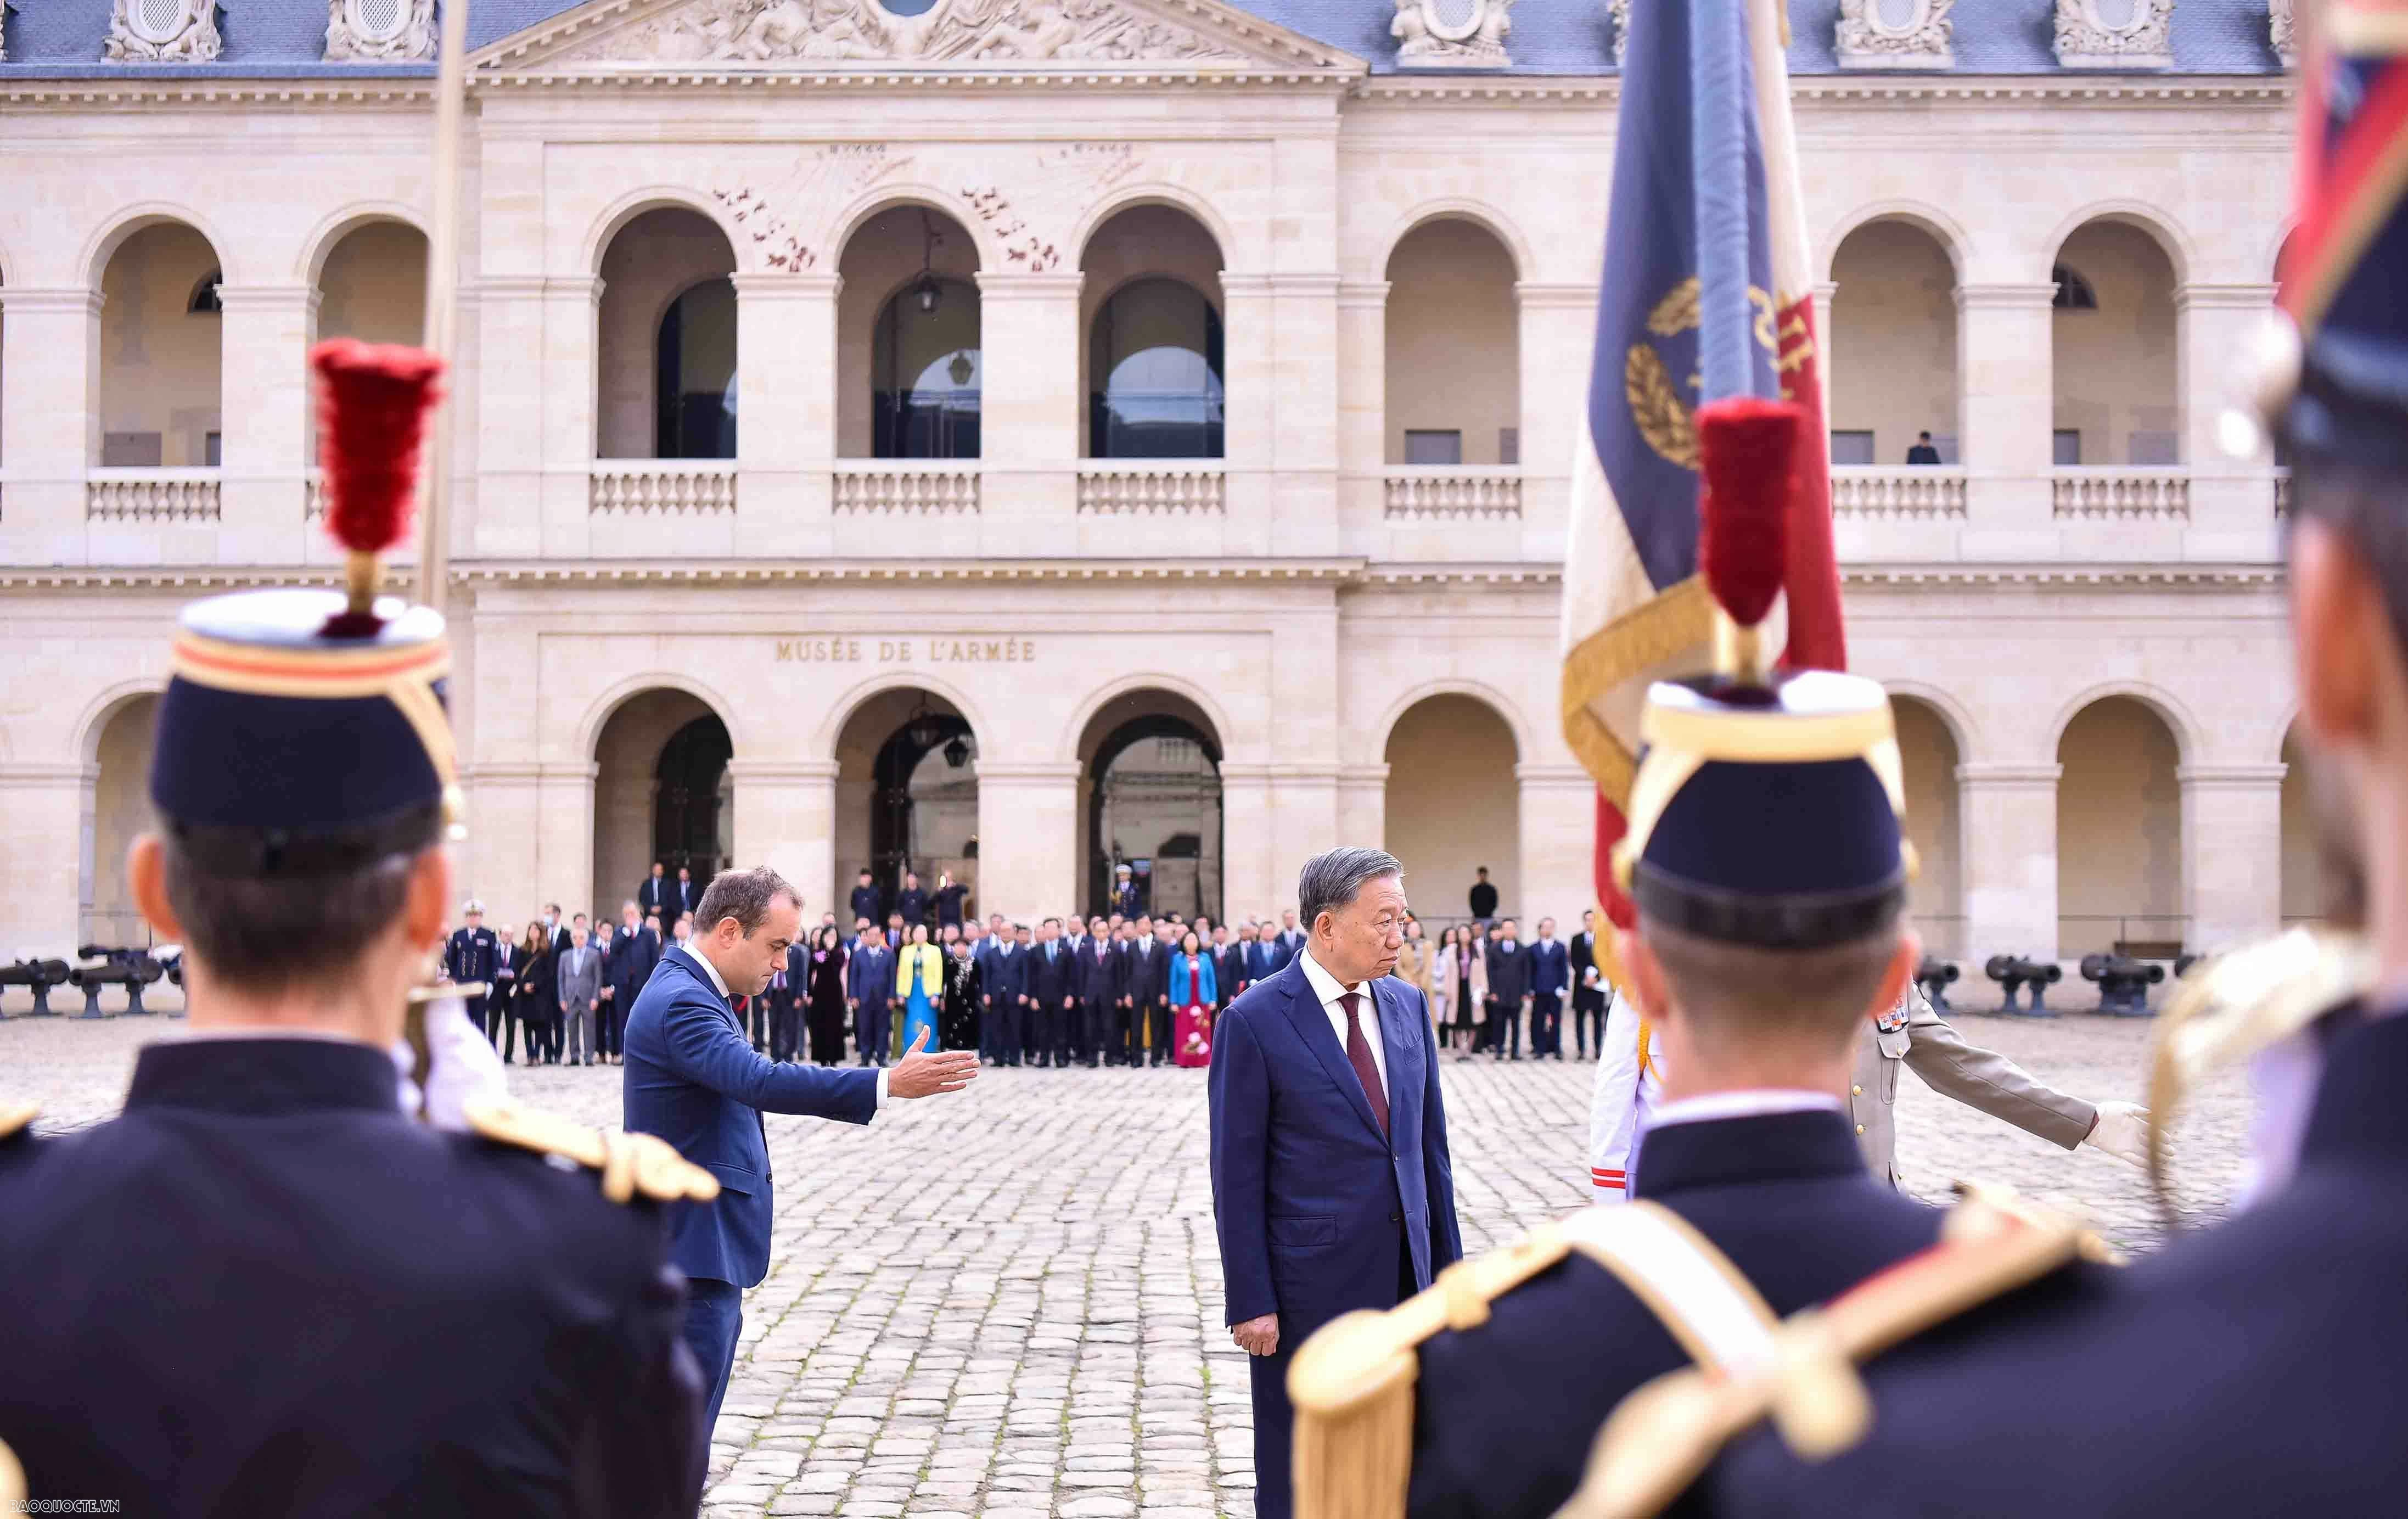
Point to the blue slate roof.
(286, 38)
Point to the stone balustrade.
(1159, 489)
(1452, 493)
(1890, 491)
(2281, 492)
(928, 488)
(668, 486)
(186, 495)
(2120, 491)
(313, 495)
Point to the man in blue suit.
(694, 1079)
(870, 992)
(1331, 1185)
(1551, 975)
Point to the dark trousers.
(1008, 1017)
(757, 1023)
(607, 1016)
(714, 1313)
(1044, 1031)
(1120, 1044)
(785, 1028)
(486, 1013)
(1504, 1026)
(872, 1030)
(1547, 1024)
(1588, 1012)
(1158, 1017)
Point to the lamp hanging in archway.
(926, 291)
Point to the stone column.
(1363, 412)
(571, 385)
(1250, 382)
(1363, 805)
(2232, 854)
(510, 421)
(785, 418)
(2232, 500)
(1558, 846)
(1030, 405)
(785, 819)
(2006, 385)
(1304, 416)
(1304, 820)
(264, 399)
(1029, 831)
(505, 812)
(43, 869)
(50, 421)
(1251, 880)
(563, 833)
(2007, 859)
(1558, 326)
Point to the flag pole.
(1718, 150)
(442, 307)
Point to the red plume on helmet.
(372, 401)
(1747, 456)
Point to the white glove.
(2122, 1131)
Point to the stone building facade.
(1019, 437)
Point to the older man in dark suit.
(1331, 1185)
(1099, 994)
(1508, 989)
(692, 1080)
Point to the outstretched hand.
(920, 1074)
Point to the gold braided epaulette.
(17, 1119)
(629, 1163)
(1663, 1436)
(1352, 1382)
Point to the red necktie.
(1358, 1054)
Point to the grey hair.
(745, 895)
(1333, 880)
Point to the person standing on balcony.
(1923, 452)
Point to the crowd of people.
(1118, 988)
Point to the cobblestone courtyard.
(1009, 1302)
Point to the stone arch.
(97, 712)
(886, 197)
(310, 267)
(634, 203)
(2122, 863)
(848, 706)
(1452, 800)
(1480, 213)
(2158, 224)
(1525, 741)
(1962, 726)
(114, 806)
(2177, 717)
(1931, 748)
(599, 712)
(104, 244)
(1150, 760)
(1942, 228)
(1074, 731)
(1176, 198)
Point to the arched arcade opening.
(1152, 793)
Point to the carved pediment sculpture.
(162, 31)
(1452, 34)
(361, 31)
(1895, 34)
(2281, 32)
(2125, 35)
(1618, 13)
(862, 31)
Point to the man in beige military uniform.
(1913, 1035)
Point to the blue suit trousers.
(714, 1313)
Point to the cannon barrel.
(2124, 983)
(132, 968)
(2011, 971)
(1934, 976)
(38, 976)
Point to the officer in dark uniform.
(867, 900)
(318, 1306)
(1127, 899)
(1766, 862)
(2252, 1368)
(468, 960)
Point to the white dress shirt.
(721, 987)
(1367, 1012)
(1760, 1103)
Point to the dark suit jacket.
(1051, 982)
(2261, 1355)
(1318, 1212)
(1551, 968)
(469, 955)
(1233, 970)
(1505, 1413)
(913, 902)
(693, 1078)
(1099, 977)
(1262, 961)
(1508, 972)
(869, 902)
(798, 982)
(1584, 960)
(633, 959)
(653, 897)
(870, 975)
(1146, 975)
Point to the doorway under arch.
(117, 809)
(1454, 806)
(1152, 762)
(907, 793)
(2119, 855)
(663, 790)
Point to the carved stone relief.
(1895, 34)
(2116, 33)
(162, 31)
(2281, 31)
(951, 31)
(379, 30)
(1620, 11)
(1452, 34)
